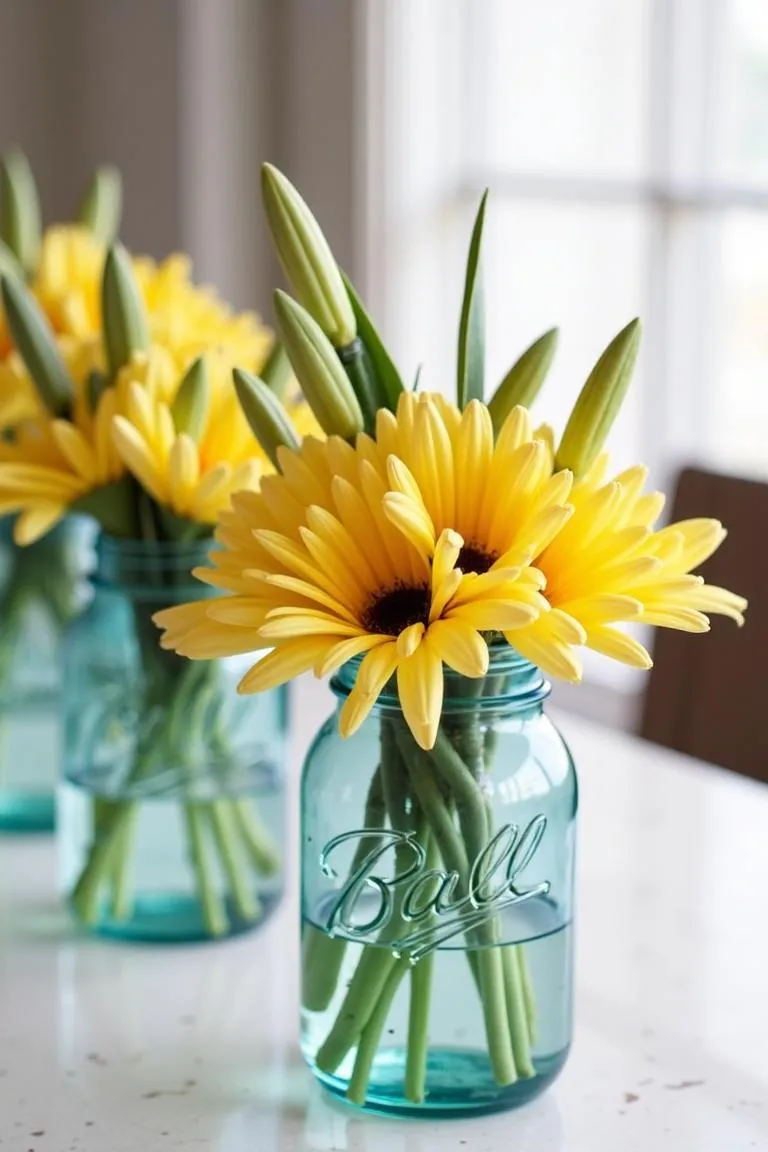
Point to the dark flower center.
(474, 559)
(396, 609)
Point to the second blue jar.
(172, 801)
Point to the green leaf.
(277, 371)
(102, 204)
(268, 419)
(36, 344)
(124, 319)
(471, 365)
(417, 378)
(20, 217)
(389, 380)
(192, 402)
(9, 265)
(599, 402)
(522, 383)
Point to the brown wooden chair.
(708, 695)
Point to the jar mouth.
(511, 682)
(147, 564)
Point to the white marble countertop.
(111, 1048)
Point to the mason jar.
(437, 898)
(172, 800)
(39, 593)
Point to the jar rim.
(524, 684)
(142, 566)
(138, 549)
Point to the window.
(626, 148)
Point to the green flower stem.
(12, 610)
(472, 820)
(377, 961)
(516, 1013)
(371, 1035)
(517, 981)
(418, 1028)
(181, 694)
(43, 573)
(214, 913)
(122, 892)
(224, 828)
(256, 839)
(394, 779)
(435, 808)
(418, 1010)
(354, 360)
(323, 955)
(321, 959)
(104, 863)
(366, 986)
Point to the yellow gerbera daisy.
(607, 566)
(66, 284)
(313, 566)
(49, 464)
(184, 318)
(446, 472)
(193, 476)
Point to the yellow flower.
(190, 320)
(607, 566)
(314, 567)
(446, 472)
(193, 476)
(66, 285)
(49, 463)
(184, 318)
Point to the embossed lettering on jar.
(437, 900)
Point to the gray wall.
(187, 97)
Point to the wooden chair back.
(708, 695)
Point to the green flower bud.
(599, 402)
(9, 265)
(37, 347)
(102, 204)
(192, 402)
(20, 218)
(95, 387)
(521, 384)
(318, 370)
(123, 316)
(306, 258)
(269, 421)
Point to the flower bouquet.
(439, 558)
(38, 586)
(139, 427)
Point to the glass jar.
(437, 894)
(172, 801)
(38, 595)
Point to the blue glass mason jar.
(39, 588)
(437, 892)
(172, 801)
